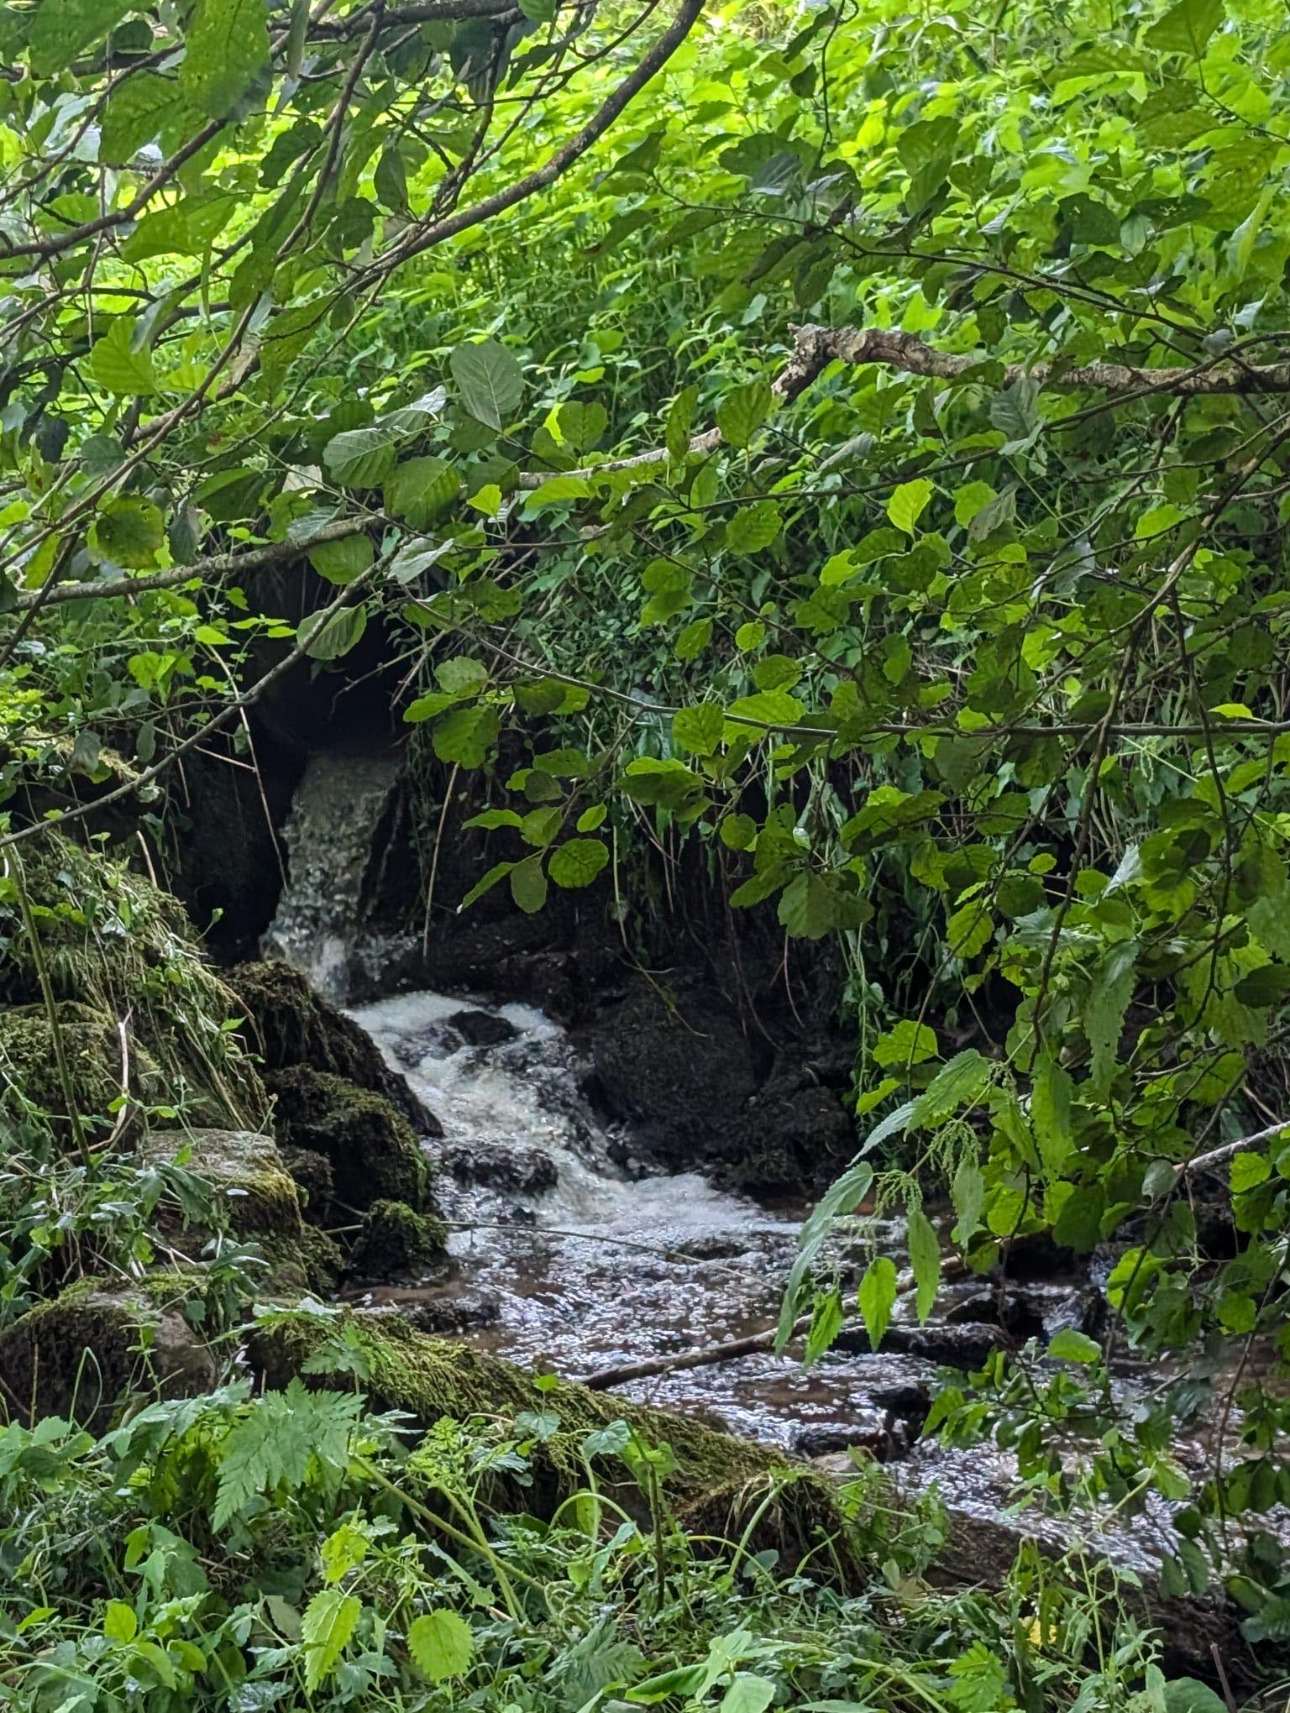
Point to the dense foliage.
(850, 439)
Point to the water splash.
(329, 834)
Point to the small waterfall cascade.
(329, 834)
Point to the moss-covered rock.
(114, 941)
(288, 1024)
(29, 1075)
(715, 1481)
(256, 1197)
(82, 1354)
(397, 1242)
(373, 1153)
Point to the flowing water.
(570, 1258)
(589, 1266)
(329, 834)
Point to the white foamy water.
(604, 1266)
(329, 834)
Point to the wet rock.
(254, 1196)
(909, 1402)
(29, 1074)
(1015, 1313)
(514, 1167)
(313, 1177)
(683, 1074)
(483, 1028)
(871, 1431)
(288, 1024)
(370, 1147)
(967, 1347)
(396, 1242)
(79, 1355)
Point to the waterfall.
(329, 834)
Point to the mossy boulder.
(256, 1197)
(373, 1153)
(714, 1484)
(398, 1243)
(288, 1024)
(91, 1042)
(82, 1354)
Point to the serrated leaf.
(441, 1645)
(908, 502)
(420, 489)
(908, 1043)
(63, 29)
(577, 862)
(489, 379)
(967, 1192)
(808, 907)
(137, 112)
(1050, 1114)
(119, 1622)
(466, 735)
(753, 527)
(699, 729)
(326, 1630)
(1104, 1011)
(877, 1297)
(528, 884)
(925, 1259)
(742, 412)
(680, 416)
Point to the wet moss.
(373, 1153)
(29, 1077)
(288, 1024)
(83, 1354)
(254, 1197)
(396, 1242)
(715, 1484)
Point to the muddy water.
(605, 1266)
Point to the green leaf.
(466, 735)
(680, 417)
(461, 675)
(808, 907)
(117, 367)
(753, 527)
(1108, 1000)
(742, 412)
(1071, 1346)
(959, 1083)
(908, 1043)
(341, 561)
(441, 1645)
(748, 1693)
(1050, 1114)
(326, 1630)
(528, 884)
(699, 729)
(925, 1259)
(489, 379)
(908, 503)
(967, 1191)
(61, 30)
(877, 1297)
(577, 862)
(226, 48)
(137, 112)
(1186, 28)
(127, 532)
(419, 490)
(328, 638)
(119, 1622)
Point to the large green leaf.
(117, 366)
(327, 1628)
(441, 1644)
(227, 47)
(489, 379)
(63, 29)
